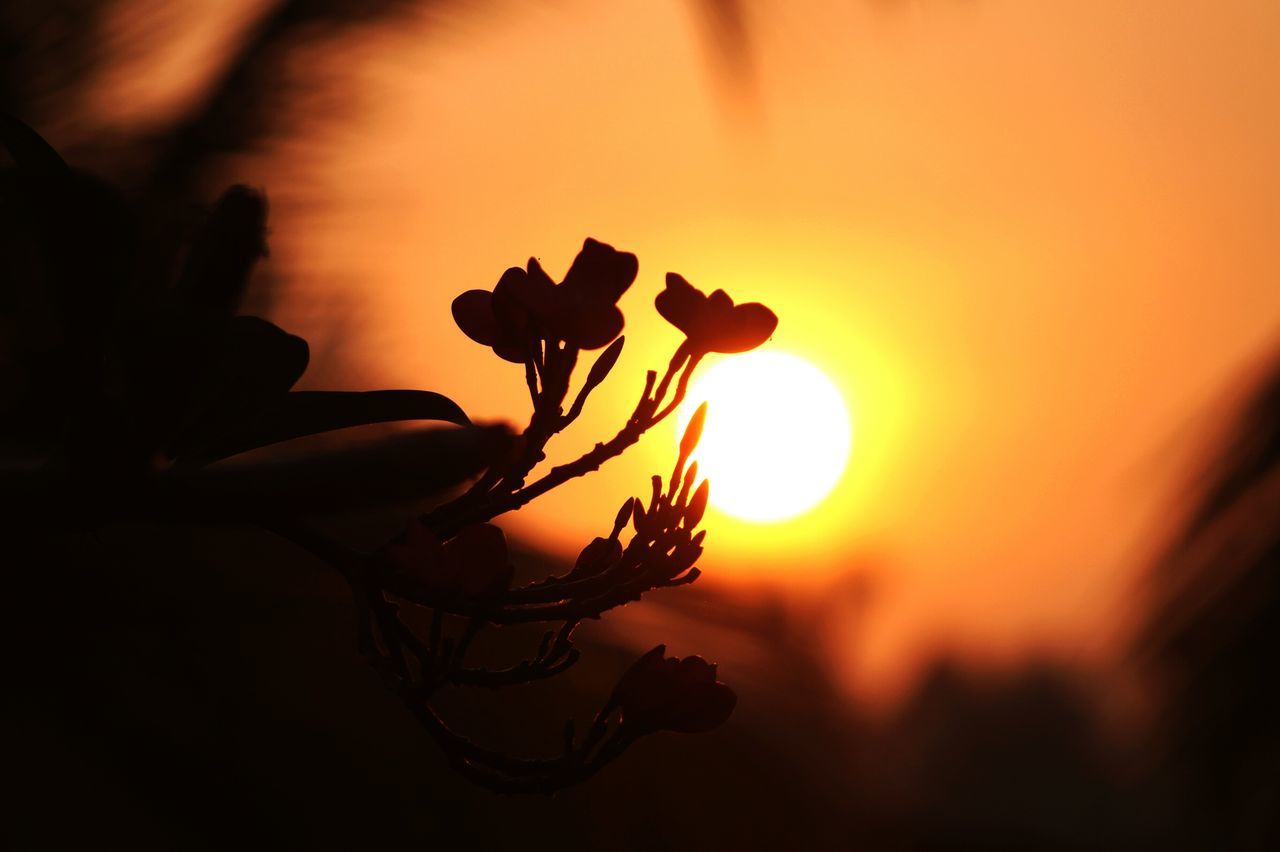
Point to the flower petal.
(512, 353)
(697, 670)
(473, 312)
(681, 303)
(749, 326)
(600, 272)
(593, 328)
(535, 294)
(708, 708)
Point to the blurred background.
(1032, 243)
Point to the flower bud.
(697, 505)
(673, 694)
(693, 432)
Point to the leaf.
(407, 466)
(28, 148)
(86, 237)
(302, 413)
(258, 357)
(249, 366)
(223, 253)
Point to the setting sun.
(777, 435)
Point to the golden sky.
(1033, 242)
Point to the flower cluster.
(452, 563)
(526, 306)
(714, 323)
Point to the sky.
(1031, 242)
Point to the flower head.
(527, 306)
(714, 323)
(672, 694)
(472, 565)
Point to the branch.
(453, 516)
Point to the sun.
(777, 435)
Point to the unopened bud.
(697, 505)
(693, 432)
(624, 515)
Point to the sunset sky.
(1034, 243)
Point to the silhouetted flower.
(500, 319)
(672, 694)
(526, 305)
(472, 565)
(714, 323)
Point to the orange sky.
(1032, 242)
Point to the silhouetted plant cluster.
(454, 562)
(142, 398)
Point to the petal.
(594, 327)
(697, 670)
(600, 272)
(516, 354)
(749, 326)
(707, 708)
(681, 303)
(511, 297)
(641, 668)
(473, 312)
(525, 297)
(719, 303)
(637, 681)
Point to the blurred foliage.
(223, 704)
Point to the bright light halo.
(777, 436)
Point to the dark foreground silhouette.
(141, 400)
(193, 686)
(180, 675)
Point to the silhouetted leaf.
(407, 466)
(303, 413)
(251, 364)
(223, 253)
(261, 356)
(83, 238)
(29, 150)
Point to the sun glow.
(777, 435)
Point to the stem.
(641, 421)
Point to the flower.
(714, 323)
(496, 319)
(472, 565)
(526, 305)
(668, 693)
